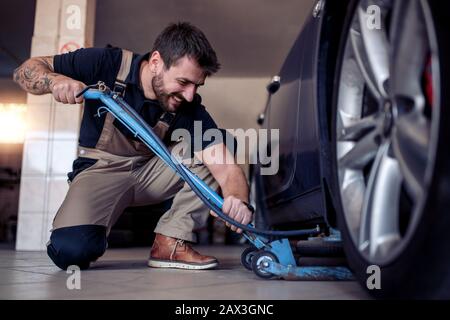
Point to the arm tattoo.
(36, 75)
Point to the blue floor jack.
(271, 255)
(275, 259)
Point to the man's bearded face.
(169, 101)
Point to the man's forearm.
(235, 184)
(232, 181)
(36, 75)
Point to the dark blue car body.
(299, 192)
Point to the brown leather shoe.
(170, 252)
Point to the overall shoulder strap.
(124, 70)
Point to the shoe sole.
(181, 265)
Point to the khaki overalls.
(128, 174)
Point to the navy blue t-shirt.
(102, 64)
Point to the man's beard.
(161, 95)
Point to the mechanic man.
(114, 170)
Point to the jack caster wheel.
(258, 264)
(247, 256)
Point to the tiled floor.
(123, 274)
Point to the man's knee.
(77, 245)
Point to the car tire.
(418, 265)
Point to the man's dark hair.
(180, 39)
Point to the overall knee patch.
(77, 245)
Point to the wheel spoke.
(379, 231)
(408, 55)
(358, 129)
(410, 140)
(371, 49)
(362, 153)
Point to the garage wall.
(235, 102)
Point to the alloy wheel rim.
(386, 124)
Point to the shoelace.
(178, 242)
